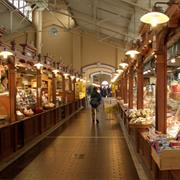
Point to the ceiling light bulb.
(173, 60)
(154, 22)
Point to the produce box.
(167, 159)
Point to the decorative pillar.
(12, 88)
(161, 82)
(140, 84)
(38, 90)
(63, 88)
(131, 87)
(54, 88)
(125, 89)
(37, 21)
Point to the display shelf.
(167, 159)
(140, 126)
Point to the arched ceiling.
(98, 72)
(116, 20)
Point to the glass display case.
(3, 79)
(59, 88)
(26, 96)
(4, 94)
(46, 89)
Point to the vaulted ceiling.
(110, 20)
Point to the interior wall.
(94, 51)
(59, 46)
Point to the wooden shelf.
(167, 159)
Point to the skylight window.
(21, 5)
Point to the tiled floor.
(79, 150)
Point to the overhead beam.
(135, 5)
(132, 4)
(114, 13)
(90, 21)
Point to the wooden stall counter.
(167, 159)
(137, 129)
(18, 135)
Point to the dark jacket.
(95, 99)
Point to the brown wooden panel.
(6, 142)
(31, 129)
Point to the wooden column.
(121, 88)
(38, 90)
(12, 88)
(74, 82)
(131, 87)
(63, 88)
(161, 82)
(125, 89)
(140, 84)
(54, 88)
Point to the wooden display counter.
(167, 159)
(17, 135)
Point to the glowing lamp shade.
(119, 71)
(132, 53)
(154, 18)
(66, 75)
(123, 65)
(73, 77)
(55, 71)
(38, 65)
(5, 54)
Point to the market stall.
(155, 123)
(28, 94)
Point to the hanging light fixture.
(73, 77)
(155, 17)
(5, 54)
(55, 70)
(123, 65)
(119, 71)
(39, 65)
(132, 53)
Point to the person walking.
(95, 100)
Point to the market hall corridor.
(80, 150)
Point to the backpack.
(94, 102)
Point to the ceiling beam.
(135, 5)
(130, 3)
(113, 13)
(90, 21)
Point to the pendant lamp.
(5, 54)
(132, 53)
